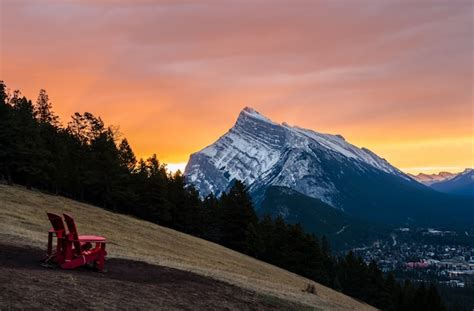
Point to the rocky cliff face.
(262, 153)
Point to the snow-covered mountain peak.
(467, 171)
(252, 113)
(260, 153)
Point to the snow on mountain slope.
(261, 153)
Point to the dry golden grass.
(23, 221)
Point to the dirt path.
(25, 284)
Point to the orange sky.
(395, 77)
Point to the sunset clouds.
(396, 77)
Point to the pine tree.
(195, 217)
(28, 156)
(377, 294)
(6, 134)
(254, 241)
(104, 171)
(186, 211)
(211, 219)
(238, 215)
(44, 110)
(86, 127)
(158, 208)
(49, 127)
(280, 242)
(328, 263)
(126, 156)
(298, 258)
(125, 194)
(266, 229)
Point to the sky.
(393, 76)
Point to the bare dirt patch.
(127, 284)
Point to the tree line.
(88, 161)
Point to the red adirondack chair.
(74, 250)
(76, 255)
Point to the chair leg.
(101, 260)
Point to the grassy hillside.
(23, 222)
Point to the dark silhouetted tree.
(7, 133)
(44, 110)
(237, 215)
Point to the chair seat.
(91, 238)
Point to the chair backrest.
(71, 225)
(58, 224)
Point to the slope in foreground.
(22, 219)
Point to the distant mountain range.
(299, 173)
(454, 183)
(428, 179)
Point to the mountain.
(429, 179)
(260, 152)
(326, 167)
(462, 184)
(320, 218)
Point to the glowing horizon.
(174, 167)
(394, 77)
